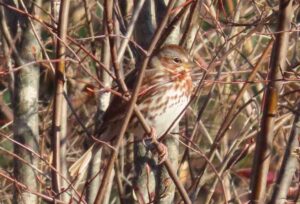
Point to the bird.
(164, 94)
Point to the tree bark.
(25, 101)
(290, 164)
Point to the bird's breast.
(162, 111)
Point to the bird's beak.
(190, 65)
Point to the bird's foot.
(162, 153)
(161, 149)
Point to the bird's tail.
(80, 166)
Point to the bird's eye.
(177, 60)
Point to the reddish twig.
(26, 188)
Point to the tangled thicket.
(61, 61)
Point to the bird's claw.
(161, 149)
(162, 153)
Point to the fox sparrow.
(165, 92)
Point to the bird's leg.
(161, 149)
